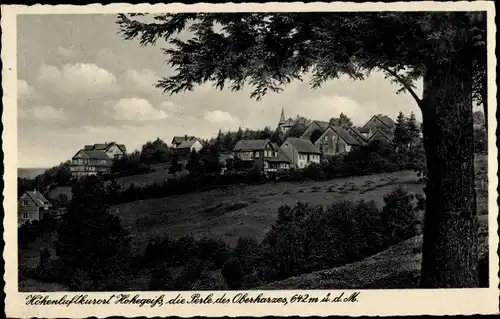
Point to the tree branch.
(406, 85)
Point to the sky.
(80, 82)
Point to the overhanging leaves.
(269, 50)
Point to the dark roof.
(104, 146)
(94, 154)
(100, 147)
(281, 158)
(303, 145)
(384, 119)
(180, 139)
(122, 147)
(186, 144)
(322, 126)
(289, 122)
(354, 132)
(37, 198)
(345, 135)
(250, 145)
(380, 133)
(364, 129)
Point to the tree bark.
(450, 257)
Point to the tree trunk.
(450, 257)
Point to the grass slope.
(396, 267)
(247, 210)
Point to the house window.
(25, 215)
(326, 138)
(257, 155)
(24, 203)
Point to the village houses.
(178, 140)
(285, 125)
(379, 127)
(262, 154)
(186, 147)
(32, 205)
(112, 149)
(302, 152)
(319, 139)
(96, 159)
(330, 140)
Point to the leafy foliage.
(155, 152)
(130, 164)
(343, 121)
(269, 50)
(413, 131)
(300, 126)
(175, 166)
(90, 239)
(401, 133)
(194, 165)
(304, 238)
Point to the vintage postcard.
(250, 159)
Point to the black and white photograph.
(239, 151)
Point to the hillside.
(239, 211)
(30, 173)
(396, 267)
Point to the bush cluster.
(304, 238)
(31, 231)
(187, 184)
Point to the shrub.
(44, 257)
(242, 261)
(161, 278)
(214, 251)
(286, 246)
(81, 281)
(400, 216)
(190, 274)
(313, 172)
(347, 231)
(51, 271)
(210, 280)
(28, 232)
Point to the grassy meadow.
(247, 210)
(251, 211)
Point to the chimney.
(185, 137)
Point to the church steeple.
(282, 118)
